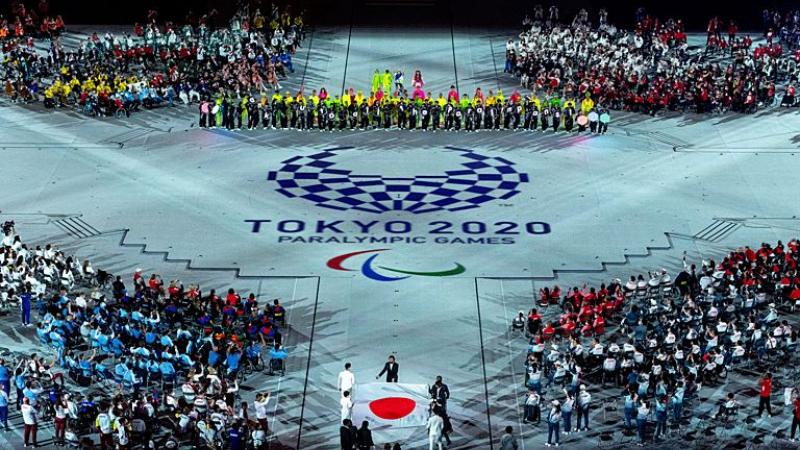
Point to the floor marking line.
(81, 225)
(62, 228)
(308, 363)
(483, 364)
(453, 42)
(494, 63)
(188, 262)
(604, 265)
(724, 232)
(308, 56)
(280, 378)
(73, 230)
(87, 225)
(511, 363)
(347, 55)
(713, 225)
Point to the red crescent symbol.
(335, 263)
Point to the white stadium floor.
(156, 192)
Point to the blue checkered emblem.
(317, 178)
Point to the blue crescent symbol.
(368, 272)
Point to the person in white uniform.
(435, 426)
(347, 380)
(347, 406)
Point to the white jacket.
(435, 425)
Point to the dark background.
(487, 13)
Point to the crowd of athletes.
(135, 362)
(572, 73)
(672, 336)
(155, 63)
(653, 67)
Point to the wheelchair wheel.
(247, 367)
(259, 364)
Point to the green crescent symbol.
(459, 269)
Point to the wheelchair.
(277, 365)
(251, 364)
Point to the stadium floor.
(156, 192)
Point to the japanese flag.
(391, 406)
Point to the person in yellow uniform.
(477, 100)
(587, 104)
(314, 98)
(535, 100)
(499, 98)
(258, 20)
(441, 101)
(66, 89)
(121, 85)
(49, 100)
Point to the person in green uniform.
(376, 80)
(386, 82)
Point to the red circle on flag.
(392, 408)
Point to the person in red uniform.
(548, 331)
(534, 322)
(795, 417)
(765, 392)
(232, 298)
(155, 284)
(599, 325)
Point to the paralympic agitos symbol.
(318, 179)
(368, 268)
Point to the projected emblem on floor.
(368, 268)
(318, 179)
